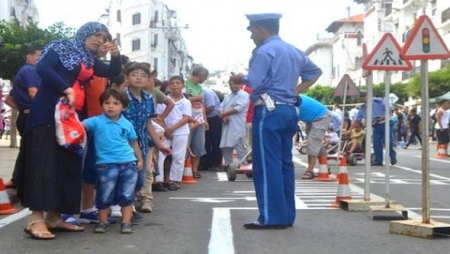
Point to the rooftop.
(333, 27)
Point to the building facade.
(24, 11)
(146, 31)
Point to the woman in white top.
(442, 122)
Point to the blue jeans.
(116, 184)
(378, 141)
(273, 169)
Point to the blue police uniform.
(378, 110)
(275, 68)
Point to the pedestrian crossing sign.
(386, 56)
(424, 42)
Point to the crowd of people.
(141, 130)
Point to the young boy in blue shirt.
(118, 159)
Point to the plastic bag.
(70, 132)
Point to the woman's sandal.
(38, 235)
(58, 226)
(308, 175)
(196, 175)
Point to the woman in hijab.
(52, 181)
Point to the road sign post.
(424, 44)
(386, 57)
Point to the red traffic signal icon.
(426, 40)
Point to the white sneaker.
(115, 211)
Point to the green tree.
(15, 39)
(439, 83)
(324, 94)
(398, 89)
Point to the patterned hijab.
(73, 52)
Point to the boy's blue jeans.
(116, 184)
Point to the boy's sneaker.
(116, 211)
(92, 218)
(101, 228)
(69, 218)
(126, 228)
(136, 218)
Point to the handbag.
(70, 132)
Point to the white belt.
(261, 102)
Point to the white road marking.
(15, 217)
(434, 159)
(221, 241)
(222, 176)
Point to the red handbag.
(70, 132)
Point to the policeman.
(378, 122)
(275, 68)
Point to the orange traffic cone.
(442, 152)
(323, 175)
(5, 204)
(187, 173)
(343, 188)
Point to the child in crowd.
(331, 138)
(118, 159)
(119, 82)
(357, 136)
(176, 133)
(140, 112)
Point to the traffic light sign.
(426, 40)
(424, 43)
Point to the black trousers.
(213, 156)
(19, 167)
(414, 134)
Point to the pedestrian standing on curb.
(197, 135)
(119, 159)
(212, 160)
(24, 89)
(378, 122)
(442, 121)
(53, 182)
(233, 112)
(140, 113)
(176, 134)
(275, 68)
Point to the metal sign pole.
(387, 118)
(368, 149)
(342, 123)
(425, 144)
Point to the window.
(118, 39)
(136, 19)
(136, 45)
(119, 16)
(155, 17)
(155, 41)
(359, 38)
(155, 63)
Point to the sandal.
(172, 186)
(196, 175)
(59, 226)
(38, 235)
(308, 175)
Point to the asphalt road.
(208, 217)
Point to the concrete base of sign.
(388, 213)
(361, 205)
(417, 228)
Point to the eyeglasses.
(138, 75)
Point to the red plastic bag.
(70, 132)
